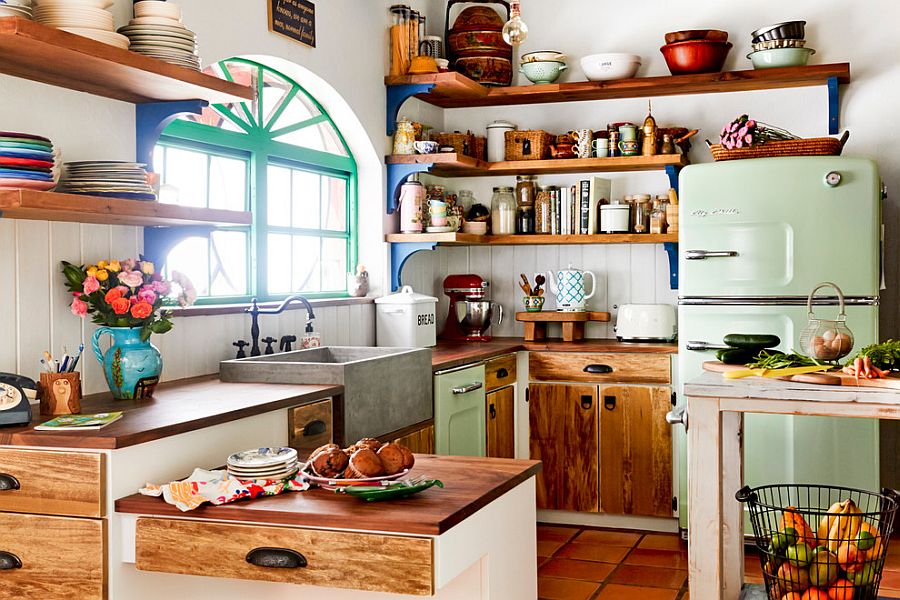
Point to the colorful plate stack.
(111, 179)
(156, 30)
(15, 8)
(87, 18)
(26, 161)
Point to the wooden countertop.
(450, 354)
(176, 407)
(470, 484)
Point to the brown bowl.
(716, 35)
(695, 56)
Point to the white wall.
(840, 31)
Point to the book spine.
(554, 212)
(585, 207)
(564, 211)
(573, 210)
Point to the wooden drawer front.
(420, 441)
(500, 372)
(382, 563)
(52, 483)
(62, 558)
(310, 426)
(618, 368)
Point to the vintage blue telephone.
(14, 393)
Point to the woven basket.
(825, 146)
(479, 147)
(463, 143)
(528, 145)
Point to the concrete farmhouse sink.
(385, 389)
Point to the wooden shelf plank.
(452, 164)
(453, 90)
(33, 51)
(466, 239)
(51, 206)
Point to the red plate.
(25, 162)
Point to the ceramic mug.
(600, 146)
(583, 139)
(629, 148)
(426, 147)
(628, 133)
(533, 303)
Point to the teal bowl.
(775, 58)
(545, 71)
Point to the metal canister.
(412, 207)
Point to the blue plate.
(12, 174)
(23, 153)
(26, 146)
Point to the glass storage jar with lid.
(640, 213)
(525, 196)
(542, 223)
(503, 211)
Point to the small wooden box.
(60, 393)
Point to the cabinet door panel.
(564, 435)
(501, 425)
(635, 451)
(419, 442)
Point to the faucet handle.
(268, 341)
(240, 345)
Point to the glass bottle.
(400, 38)
(525, 196)
(404, 137)
(640, 213)
(466, 200)
(413, 34)
(542, 222)
(503, 211)
(657, 218)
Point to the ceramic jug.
(569, 288)
(132, 366)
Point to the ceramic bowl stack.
(16, 8)
(111, 179)
(263, 463)
(87, 18)
(26, 162)
(156, 30)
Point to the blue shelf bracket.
(671, 249)
(159, 241)
(397, 95)
(834, 106)
(397, 176)
(400, 253)
(153, 117)
(672, 171)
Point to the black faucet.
(255, 311)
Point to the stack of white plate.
(15, 8)
(156, 30)
(112, 179)
(87, 18)
(263, 463)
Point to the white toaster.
(646, 323)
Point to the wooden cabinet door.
(635, 450)
(564, 435)
(501, 426)
(420, 441)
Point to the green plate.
(394, 491)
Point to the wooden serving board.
(835, 378)
(572, 323)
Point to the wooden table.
(715, 409)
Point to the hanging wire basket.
(820, 542)
(826, 339)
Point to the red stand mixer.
(470, 314)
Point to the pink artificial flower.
(160, 287)
(742, 131)
(91, 285)
(79, 307)
(748, 139)
(134, 300)
(147, 296)
(128, 264)
(132, 279)
(739, 143)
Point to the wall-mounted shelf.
(33, 51)
(452, 164)
(467, 239)
(75, 208)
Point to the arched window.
(282, 158)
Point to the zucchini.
(752, 341)
(735, 356)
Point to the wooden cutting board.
(836, 378)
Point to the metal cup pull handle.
(317, 427)
(502, 373)
(8, 483)
(609, 402)
(9, 561)
(598, 369)
(276, 558)
(587, 402)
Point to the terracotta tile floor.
(577, 563)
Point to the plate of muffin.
(366, 462)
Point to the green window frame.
(250, 131)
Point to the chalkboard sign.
(295, 19)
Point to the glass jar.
(400, 38)
(466, 200)
(405, 137)
(503, 211)
(542, 222)
(414, 18)
(525, 196)
(658, 219)
(640, 213)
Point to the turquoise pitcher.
(132, 367)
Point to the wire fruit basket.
(819, 542)
(826, 339)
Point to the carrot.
(857, 366)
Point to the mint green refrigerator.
(756, 236)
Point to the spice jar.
(525, 197)
(542, 221)
(640, 213)
(405, 137)
(400, 37)
(503, 211)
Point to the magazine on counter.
(79, 422)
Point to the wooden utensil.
(526, 286)
(539, 281)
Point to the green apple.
(792, 536)
(798, 555)
(864, 576)
(823, 568)
(865, 540)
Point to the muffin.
(392, 457)
(408, 459)
(369, 443)
(365, 462)
(329, 462)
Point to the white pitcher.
(569, 289)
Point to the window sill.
(208, 310)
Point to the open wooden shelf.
(468, 239)
(74, 208)
(452, 164)
(453, 90)
(33, 51)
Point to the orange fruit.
(841, 590)
(792, 596)
(792, 579)
(815, 594)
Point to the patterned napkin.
(218, 487)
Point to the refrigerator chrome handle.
(705, 346)
(704, 254)
(678, 416)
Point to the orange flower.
(120, 306)
(141, 310)
(112, 295)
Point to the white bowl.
(610, 65)
(543, 56)
(475, 227)
(74, 3)
(154, 8)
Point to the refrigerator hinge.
(674, 504)
(674, 399)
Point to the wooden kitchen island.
(715, 409)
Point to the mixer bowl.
(475, 317)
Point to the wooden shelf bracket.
(159, 241)
(397, 176)
(671, 249)
(400, 253)
(397, 95)
(152, 118)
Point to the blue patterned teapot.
(569, 289)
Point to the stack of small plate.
(112, 179)
(263, 463)
(87, 18)
(157, 31)
(26, 161)
(15, 8)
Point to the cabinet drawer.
(382, 563)
(61, 558)
(499, 372)
(618, 368)
(310, 426)
(52, 483)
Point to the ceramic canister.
(614, 218)
(412, 204)
(496, 140)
